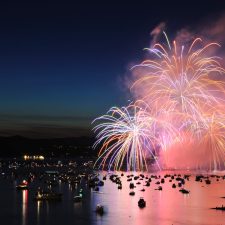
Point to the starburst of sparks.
(183, 91)
(129, 135)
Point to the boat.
(198, 178)
(207, 181)
(100, 183)
(159, 188)
(96, 189)
(184, 191)
(77, 198)
(132, 193)
(131, 185)
(47, 195)
(99, 209)
(141, 203)
(219, 208)
(22, 186)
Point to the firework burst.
(188, 86)
(129, 135)
(181, 81)
(185, 89)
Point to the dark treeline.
(15, 146)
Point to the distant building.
(33, 157)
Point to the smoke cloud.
(187, 154)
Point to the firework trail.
(185, 90)
(212, 140)
(184, 84)
(129, 135)
(181, 81)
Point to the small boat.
(159, 188)
(141, 203)
(219, 208)
(22, 186)
(96, 189)
(118, 181)
(184, 191)
(100, 183)
(99, 209)
(142, 189)
(132, 193)
(207, 181)
(198, 178)
(77, 198)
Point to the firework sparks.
(186, 90)
(182, 82)
(129, 135)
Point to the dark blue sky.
(63, 63)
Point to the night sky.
(64, 63)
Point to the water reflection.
(24, 206)
(168, 206)
(38, 212)
(38, 208)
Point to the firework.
(129, 135)
(181, 81)
(185, 123)
(212, 140)
(187, 85)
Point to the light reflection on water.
(38, 211)
(168, 206)
(24, 206)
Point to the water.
(165, 207)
